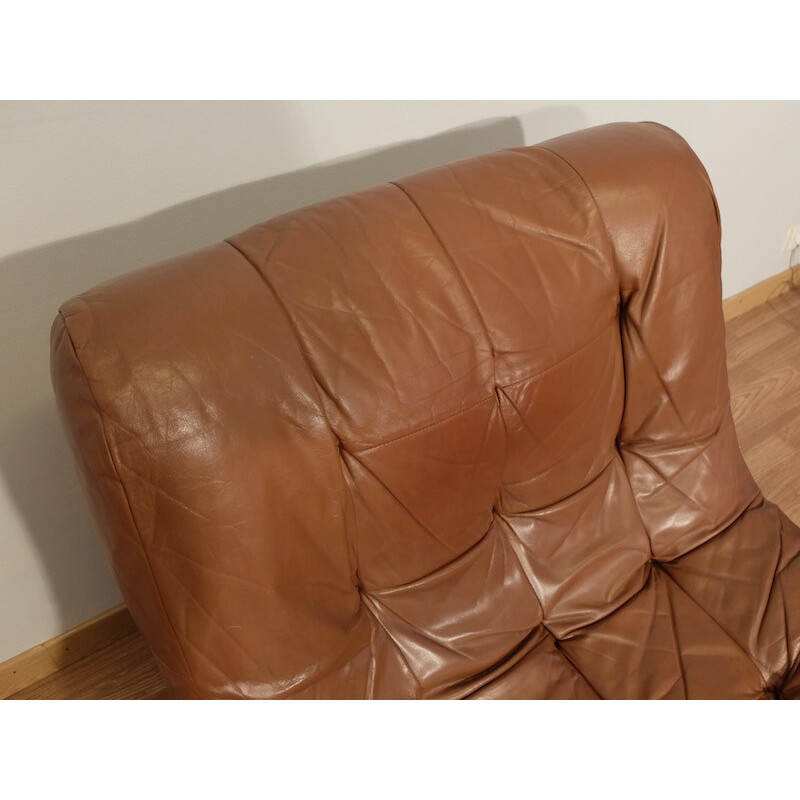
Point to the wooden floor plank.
(764, 375)
(125, 670)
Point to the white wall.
(90, 190)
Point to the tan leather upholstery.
(464, 435)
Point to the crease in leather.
(376, 624)
(738, 511)
(517, 543)
(475, 683)
(113, 461)
(721, 627)
(376, 616)
(793, 663)
(571, 664)
(630, 323)
(402, 505)
(763, 668)
(286, 688)
(526, 648)
(677, 645)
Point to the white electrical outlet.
(792, 238)
(792, 245)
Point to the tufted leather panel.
(463, 435)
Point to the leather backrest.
(412, 442)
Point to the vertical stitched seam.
(295, 332)
(457, 272)
(612, 252)
(596, 205)
(352, 546)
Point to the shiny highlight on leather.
(463, 435)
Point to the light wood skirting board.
(53, 655)
(756, 295)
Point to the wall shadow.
(34, 460)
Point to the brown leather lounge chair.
(463, 435)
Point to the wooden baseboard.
(760, 293)
(53, 655)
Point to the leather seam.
(528, 378)
(563, 498)
(606, 234)
(350, 542)
(295, 333)
(456, 271)
(359, 451)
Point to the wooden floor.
(764, 376)
(124, 670)
(764, 372)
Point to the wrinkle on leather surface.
(463, 435)
(660, 645)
